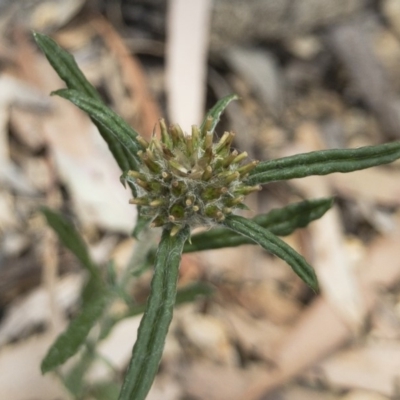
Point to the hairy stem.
(154, 326)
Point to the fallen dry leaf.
(207, 336)
(363, 395)
(20, 376)
(321, 330)
(377, 185)
(330, 259)
(141, 109)
(19, 318)
(207, 381)
(373, 367)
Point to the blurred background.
(311, 75)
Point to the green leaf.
(217, 110)
(274, 245)
(154, 326)
(67, 69)
(106, 390)
(119, 152)
(70, 238)
(191, 292)
(106, 118)
(280, 222)
(141, 224)
(69, 342)
(94, 295)
(74, 379)
(323, 162)
(65, 66)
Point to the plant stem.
(154, 326)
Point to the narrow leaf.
(65, 66)
(280, 222)
(67, 69)
(154, 326)
(274, 245)
(119, 152)
(323, 163)
(217, 110)
(69, 342)
(191, 292)
(106, 390)
(70, 238)
(74, 379)
(141, 224)
(105, 117)
(284, 221)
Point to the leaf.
(74, 378)
(280, 222)
(65, 66)
(106, 390)
(106, 118)
(67, 69)
(284, 221)
(154, 326)
(217, 110)
(141, 224)
(94, 295)
(323, 163)
(274, 245)
(190, 292)
(120, 154)
(69, 342)
(70, 238)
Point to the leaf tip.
(39, 38)
(36, 35)
(311, 280)
(314, 286)
(235, 96)
(45, 367)
(59, 92)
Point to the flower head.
(188, 179)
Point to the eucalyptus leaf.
(274, 245)
(280, 222)
(217, 110)
(154, 325)
(323, 162)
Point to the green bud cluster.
(188, 179)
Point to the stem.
(153, 328)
